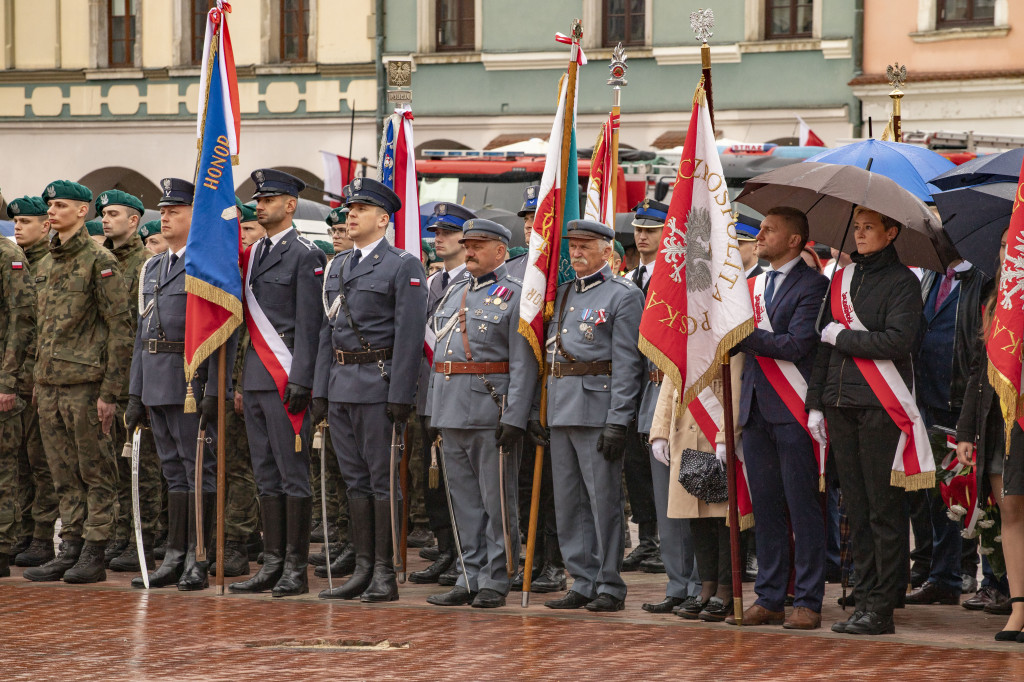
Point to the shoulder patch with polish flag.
(414, 282)
(17, 265)
(106, 272)
(317, 271)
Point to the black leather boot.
(38, 552)
(273, 514)
(196, 574)
(114, 549)
(361, 525)
(445, 557)
(90, 565)
(342, 564)
(295, 577)
(177, 543)
(128, 562)
(54, 569)
(383, 586)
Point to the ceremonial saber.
(505, 530)
(403, 480)
(320, 429)
(396, 554)
(439, 444)
(136, 507)
(198, 480)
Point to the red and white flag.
(338, 172)
(600, 205)
(225, 72)
(807, 136)
(397, 170)
(698, 305)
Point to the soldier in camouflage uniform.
(17, 322)
(85, 341)
(121, 213)
(38, 498)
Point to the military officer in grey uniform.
(484, 378)
(446, 224)
(158, 383)
(517, 266)
(367, 368)
(593, 385)
(282, 292)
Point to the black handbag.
(703, 476)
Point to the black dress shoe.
(647, 548)
(664, 606)
(840, 626)
(432, 573)
(430, 553)
(606, 603)
(488, 599)
(933, 593)
(457, 596)
(551, 579)
(451, 576)
(571, 600)
(652, 565)
(872, 623)
(716, 610)
(985, 596)
(420, 537)
(690, 608)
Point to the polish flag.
(807, 136)
(338, 172)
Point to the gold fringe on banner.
(205, 290)
(921, 481)
(1009, 401)
(190, 400)
(746, 522)
(662, 362)
(821, 484)
(734, 336)
(700, 97)
(526, 331)
(298, 443)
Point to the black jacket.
(887, 298)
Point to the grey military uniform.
(597, 319)
(516, 267)
(387, 302)
(287, 286)
(435, 290)
(467, 414)
(158, 374)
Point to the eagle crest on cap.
(531, 192)
(259, 176)
(357, 184)
(647, 204)
(51, 191)
(442, 209)
(166, 184)
(104, 200)
(468, 225)
(15, 208)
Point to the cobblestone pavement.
(112, 632)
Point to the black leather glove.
(431, 431)
(612, 441)
(508, 436)
(399, 413)
(537, 433)
(208, 408)
(134, 413)
(296, 398)
(318, 413)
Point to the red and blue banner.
(397, 170)
(213, 282)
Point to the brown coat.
(680, 429)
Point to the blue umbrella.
(911, 167)
(1002, 167)
(974, 219)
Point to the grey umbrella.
(828, 194)
(975, 219)
(507, 218)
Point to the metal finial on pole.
(617, 79)
(702, 21)
(897, 77)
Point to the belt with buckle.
(344, 357)
(158, 346)
(471, 367)
(656, 376)
(580, 369)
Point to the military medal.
(584, 326)
(500, 294)
(601, 316)
(503, 306)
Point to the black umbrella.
(1002, 167)
(828, 194)
(507, 218)
(975, 218)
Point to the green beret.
(30, 206)
(325, 246)
(337, 215)
(248, 212)
(116, 197)
(428, 250)
(618, 249)
(95, 227)
(517, 251)
(149, 229)
(65, 189)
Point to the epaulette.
(305, 242)
(460, 281)
(624, 281)
(513, 279)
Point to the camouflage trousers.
(417, 473)
(334, 485)
(81, 460)
(37, 497)
(150, 501)
(10, 508)
(242, 513)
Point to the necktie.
(444, 280)
(356, 255)
(769, 291)
(638, 278)
(264, 250)
(944, 288)
(173, 260)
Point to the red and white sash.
(914, 466)
(707, 411)
(784, 376)
(267, 343)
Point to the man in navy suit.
(778, 450)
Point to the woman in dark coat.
(1000, 471)
(886, 297)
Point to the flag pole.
(897, 76)
(617, 67)
(538, 462)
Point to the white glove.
(720, 453)
(831, 332)
(816, 425)
(659, 448)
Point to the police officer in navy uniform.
(158, 383)
(593, 386)
(285, 275)
(517, 266)
(484, 378)
(367, 369)
(446, 224)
